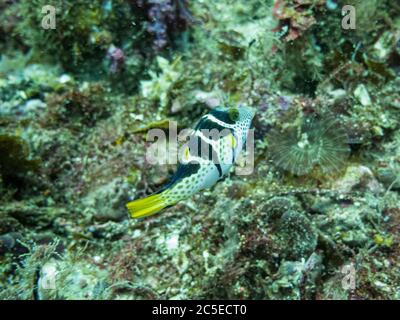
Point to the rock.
(108, 201)
(211, 99)
(33, 105)
(296, 279)
(65, 78)
(8, 242)
(362, 95)
(319, 204)
(385, 45)
(390, 176)
(350, 223)
(337, 96)
(176, 106)
(358, 178)
(109, 230)
(8, 224)
(29, 214)
(295, 235)
(61, 279)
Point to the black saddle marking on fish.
(222, 115)
(219, 169)
(208, 124)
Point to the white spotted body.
(209, 155)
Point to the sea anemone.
(312, 142)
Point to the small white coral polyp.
(313, 142)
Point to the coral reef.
(95, 39)
(77, 102)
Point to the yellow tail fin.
(147, 206)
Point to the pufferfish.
(212, 148)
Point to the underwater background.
(82, 83)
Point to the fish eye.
(233, 114)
